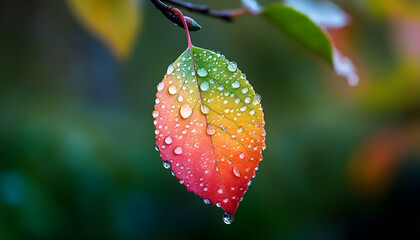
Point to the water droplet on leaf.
(211, 130)
(205, 109)
(168, 140)
(178, 150)
(185, 111)
(172, 90)
(204, 86)
(170, 69)
(160, 86)
(236, 171)
(166, 164)
(257, 99)
(202, 72)
(232, 66)
(236, 84)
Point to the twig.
(168, 11)
(170, 14)
(228, 15)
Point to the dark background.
(77, 158)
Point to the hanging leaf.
(301, 28)
(209, 127)
(115, 22)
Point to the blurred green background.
(77, 158)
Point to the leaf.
(209, 127)
(115, 22)
(301, 28)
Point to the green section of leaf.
(299, 27)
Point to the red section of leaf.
(213, 148)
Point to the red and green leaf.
(209, 127)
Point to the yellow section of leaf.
(115, 22)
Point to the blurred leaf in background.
(395, 91)
(115, 22)
(302, 29)
(375, 164)
(401, 8)
(309, 22)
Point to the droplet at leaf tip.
(227, 218)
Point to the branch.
(168, 11)
(172, 15)
(228, 15)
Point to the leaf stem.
(184, 22)
(168, 12)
